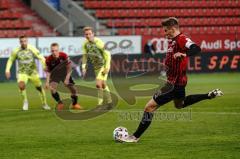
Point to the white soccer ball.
(120, 133)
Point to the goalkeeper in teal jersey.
(93, 49)
(27, 70)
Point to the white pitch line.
(130, 111)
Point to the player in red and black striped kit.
(180, 47)
(59, 70)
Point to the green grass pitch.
(212, 131)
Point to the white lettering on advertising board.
(73, 45)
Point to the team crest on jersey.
(173, 42)
(171, 46)
(88, 46)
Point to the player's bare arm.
(47, 85)
(69, 71)
(84, 69)
(10, 61)
(8, 75)
(179, 55)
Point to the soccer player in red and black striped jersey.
(59, 69)
(180, 47)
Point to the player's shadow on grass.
(98, 110)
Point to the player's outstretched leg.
(43, 98)
(191, 99)
(160, 98)
(151, 106)
(22, 90)
(35, 79)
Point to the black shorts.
(168, 93)
(61, 79)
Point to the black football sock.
(144, 124)
(191, 99)
(74, 99)
(56, 97)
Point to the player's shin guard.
(74, 99)
(191, 99)
(56, 97)
(42, 95)
(24, 95)
(144, 124)
(107, 94)
(100, 96)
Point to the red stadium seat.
(159, 4)
(196, 17)
(12, 23)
